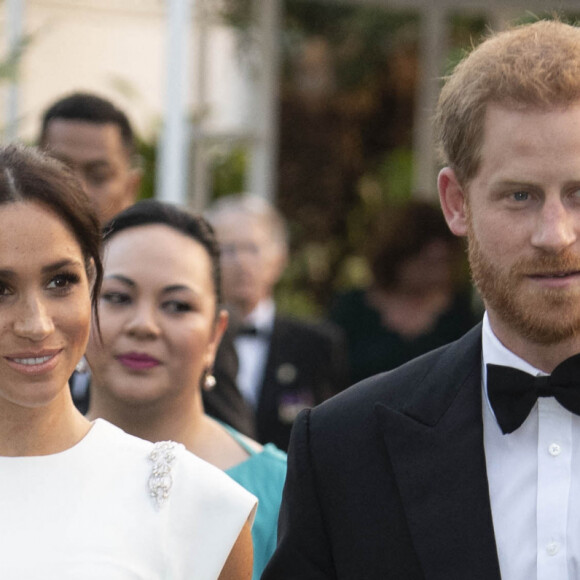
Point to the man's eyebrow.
(60, 157)
(91, 163)
(97, 163)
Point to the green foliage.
(147, 152)
(359, 36)
(9, 65)
(395, 174)
(466, 33)
(346, 152)
(237, 13)
(346, 155)
(228, 170)
(529, 17)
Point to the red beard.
(541, 315)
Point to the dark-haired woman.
(79, 499)
(419, 297)
(161, 323)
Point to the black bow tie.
(249, 330)
(512, 393)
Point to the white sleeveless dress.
(116, 507)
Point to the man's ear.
(133, 185)
(453, 201)
(221, 324)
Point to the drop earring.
(209, 381)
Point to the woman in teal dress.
(262, 474)
(160, 324)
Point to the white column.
(14, 38)
(433, 43)
(261, 179)
(172, 159)
(199, 167)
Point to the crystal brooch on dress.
(160, 481)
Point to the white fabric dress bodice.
(88, 513)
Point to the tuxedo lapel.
(280, 399)
(286, 373)
(272, 361)
(435, 445)
(270, 387)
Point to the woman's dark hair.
(149, 212)
(401, 232)
(28, 175)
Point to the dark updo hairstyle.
(27, 175)
(151, 212)
(401, 232)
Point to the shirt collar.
(496, 353)
(262, 317)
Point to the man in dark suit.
(465, 463)
(286, 365)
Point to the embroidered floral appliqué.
(160, 481)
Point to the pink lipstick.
(138, 361)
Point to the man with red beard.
(465, 463)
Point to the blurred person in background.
(81, 499)
(94, 137)
(420, 296)
(286, 364)
(161, 322)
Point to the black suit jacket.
(306, 365)
(388, 479)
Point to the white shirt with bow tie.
(534, 481)
(253, 351)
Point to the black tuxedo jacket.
(388, 479)
(306, 364)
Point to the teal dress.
(262, 474)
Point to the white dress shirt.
(534, 482)
(253, 351)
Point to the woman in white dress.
(82, 500)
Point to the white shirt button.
(554, 450)
(553, 548)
